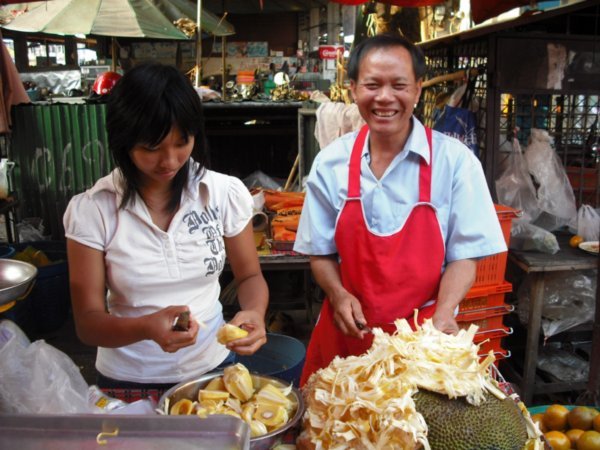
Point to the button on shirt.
(460, 195)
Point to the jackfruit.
(238, 382)
(228, 333)
(269, 394)
(257, 428)
(182, 407)
(455, 424)
(203, 395)
(271, 415)
(216, 384)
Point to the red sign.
(330, 51)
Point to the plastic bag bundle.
(36, 378)
(569, 301)
(555, 196)
(588, 223)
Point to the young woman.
(149, 241)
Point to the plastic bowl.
(189, 389)
(281, 357)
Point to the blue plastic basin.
(281, 357)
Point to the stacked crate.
(484, 304)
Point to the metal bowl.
(189, 389)
(16, 277)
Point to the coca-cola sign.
(330, 51)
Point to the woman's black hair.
(386, 40)
(145, 104)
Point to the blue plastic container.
(281, 357)
(7, 251)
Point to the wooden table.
(538, 266)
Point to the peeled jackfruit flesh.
(238, 382)
(271, 415)
(269, 394)
(203, 395)
(228, 333)
(216, 384)
(182, 407)
(257, 428)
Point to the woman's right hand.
(159, 326)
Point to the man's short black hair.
(386, 40)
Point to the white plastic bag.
(514, 186)
(588, 223)
(37, 378)
(555, 196)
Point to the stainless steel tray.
(82, 432)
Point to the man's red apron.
(391, 275)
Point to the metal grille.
(572, 121)
(447, 60)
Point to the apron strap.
(354, 171)
(425, 172)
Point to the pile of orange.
(565, 429)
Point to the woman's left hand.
(254, 324)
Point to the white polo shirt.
(148, 269)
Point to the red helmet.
(105, 82)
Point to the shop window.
(43, 54)
(85, 55)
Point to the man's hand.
(347, 312)
(443, 320)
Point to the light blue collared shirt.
(460, 194)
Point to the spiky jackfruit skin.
(457, 425)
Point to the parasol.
(122, 18)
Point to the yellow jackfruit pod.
(203, 395)
(202, 412)
(269, 394)
(238, 382)
(182, 407)
(211, 405)
(248, 411)
(229, 412)
(216, 384)
(228, 333)
(257, 428)
(271, 415)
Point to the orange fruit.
(573, 434)
(539, 419)
(581, 417)
(555, 417)
(557, 440)
(575, 241)
(589, 440)
(596, 422)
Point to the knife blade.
(363, 326)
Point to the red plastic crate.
(486, 318)
(485, 297)
(491, 339)
(491, 270)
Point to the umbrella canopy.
(117, 18)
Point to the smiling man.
(395, 215)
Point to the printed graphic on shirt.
(207, 223)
